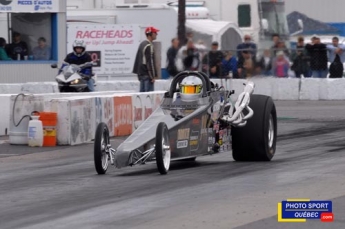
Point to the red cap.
(151, 30)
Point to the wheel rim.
(103, 150)
(166, 151)
(270, 132)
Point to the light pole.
(181, 29)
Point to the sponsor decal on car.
(196, 121)
(194, 140)
(183, 134)
(182, 144)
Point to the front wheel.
(101, 156)
(162, 148)
(256, 141)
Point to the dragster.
(183, 130)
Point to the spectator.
(276, 40)
(280, 65)
(212, 62)
(264, 65)
(3, 54)
(246, 65)
(318, 57)
(191, 57)
(18, 48)
(282, 47)
(202, 50)
(171, 57)
(337, 58)
(247, 45)
(42, 51)
(229, 64)
(300, 60)
(145, 64)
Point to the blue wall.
(340, 26)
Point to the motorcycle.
(70, 78)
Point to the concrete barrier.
(278, 89)
(332, 89)
(78, 116)
(5, 114)
(25, 104)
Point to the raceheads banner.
(112, 47)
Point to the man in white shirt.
(336, 56)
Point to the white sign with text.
(29, 6)
(112, 47)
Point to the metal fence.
(282, 63)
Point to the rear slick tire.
(256, 141)
(162, 148)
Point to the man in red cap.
(144, 65)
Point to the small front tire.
(163, 154)
(101, 157)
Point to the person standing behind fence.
(229, 64)
(300, 60)
(3, 54)
(212, 62)
(318, 57)
(246, 65)
(145, 65)
(337, 58)
(276, 40)
(280, 65)
(247, 45)
(264, 65)
(191, 57)
(171, 57)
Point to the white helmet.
(190, 89)
(79, 44)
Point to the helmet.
(190, 89)
(79, 44)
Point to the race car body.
(180, 129)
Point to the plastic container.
(35, 132)
(49, 121)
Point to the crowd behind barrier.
(311, 60)
(290, 63)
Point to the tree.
(181, 29)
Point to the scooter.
(70, 78)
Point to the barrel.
(49, 122)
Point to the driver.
(80, 56)
(190, 89)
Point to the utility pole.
(181, 29)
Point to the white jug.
(35, 132)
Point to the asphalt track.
(58, 187)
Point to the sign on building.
(29, 6)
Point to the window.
(244, 19)
(32, 36)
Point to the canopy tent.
(206, 30)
